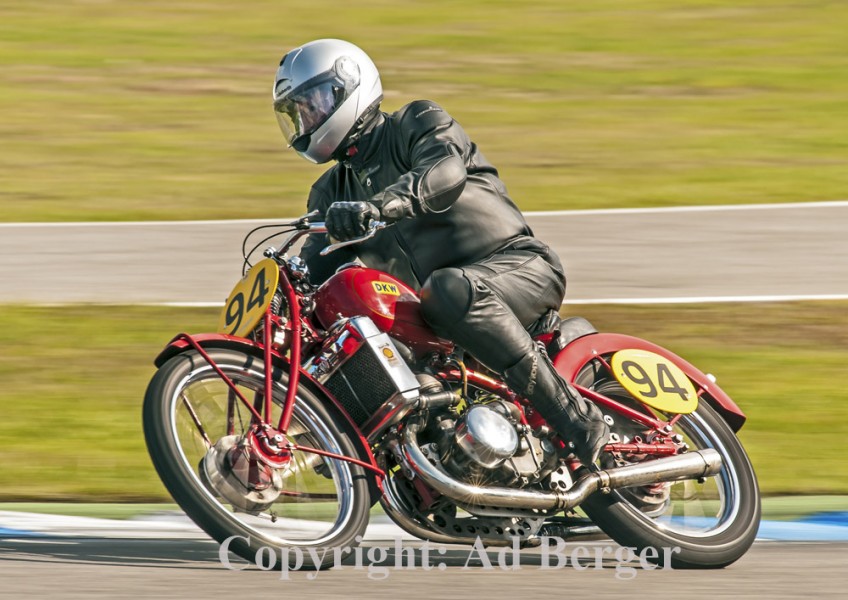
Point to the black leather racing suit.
(463, 243)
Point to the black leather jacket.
(420, 168)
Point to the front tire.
(324, 503)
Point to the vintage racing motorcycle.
(310, 405)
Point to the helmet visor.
(303, 112)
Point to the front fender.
(341, 418)
(179, 344)
(582, 350)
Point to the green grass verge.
(99, 510)
(160, 110)
(74, 377)
(132, 510)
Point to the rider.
(484, 280)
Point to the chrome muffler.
(691, 465)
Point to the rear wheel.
(707, 524)
(192, 419)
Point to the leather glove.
(348, 220)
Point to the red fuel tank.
(393, 306)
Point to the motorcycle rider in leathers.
(484, 280)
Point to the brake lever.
(303, 222)
(373, 228)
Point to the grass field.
(74, 378)
(160, 110)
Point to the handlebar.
(304, 226)
(373, 228)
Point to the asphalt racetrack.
(684, 254)
(179, 568)
(795, 251)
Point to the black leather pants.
(485, 308)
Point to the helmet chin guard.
(323, 91)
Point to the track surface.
(83, 568)
(697, 252)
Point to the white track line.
(544, 213)
(698, 208)
(567, 302)
(708, 299)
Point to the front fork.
(269, 444)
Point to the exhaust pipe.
(692, 465)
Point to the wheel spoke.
(194, 418)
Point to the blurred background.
(131, 111)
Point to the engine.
(369, 373)
(488, 444)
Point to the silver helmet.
(323, 92)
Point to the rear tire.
(727, 525)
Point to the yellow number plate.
(250, 299)
(655, 380)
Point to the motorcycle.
(311, 404)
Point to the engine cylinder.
(485, 436)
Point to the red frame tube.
(480, 380)
(269, 389)
(349, 459)
(294, 372)
(502, 390)
(636, 448)
(628, 412)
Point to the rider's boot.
(574, 418)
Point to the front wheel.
(701, 525)
(308, 509)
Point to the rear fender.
(341, 419)
(578, 353)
